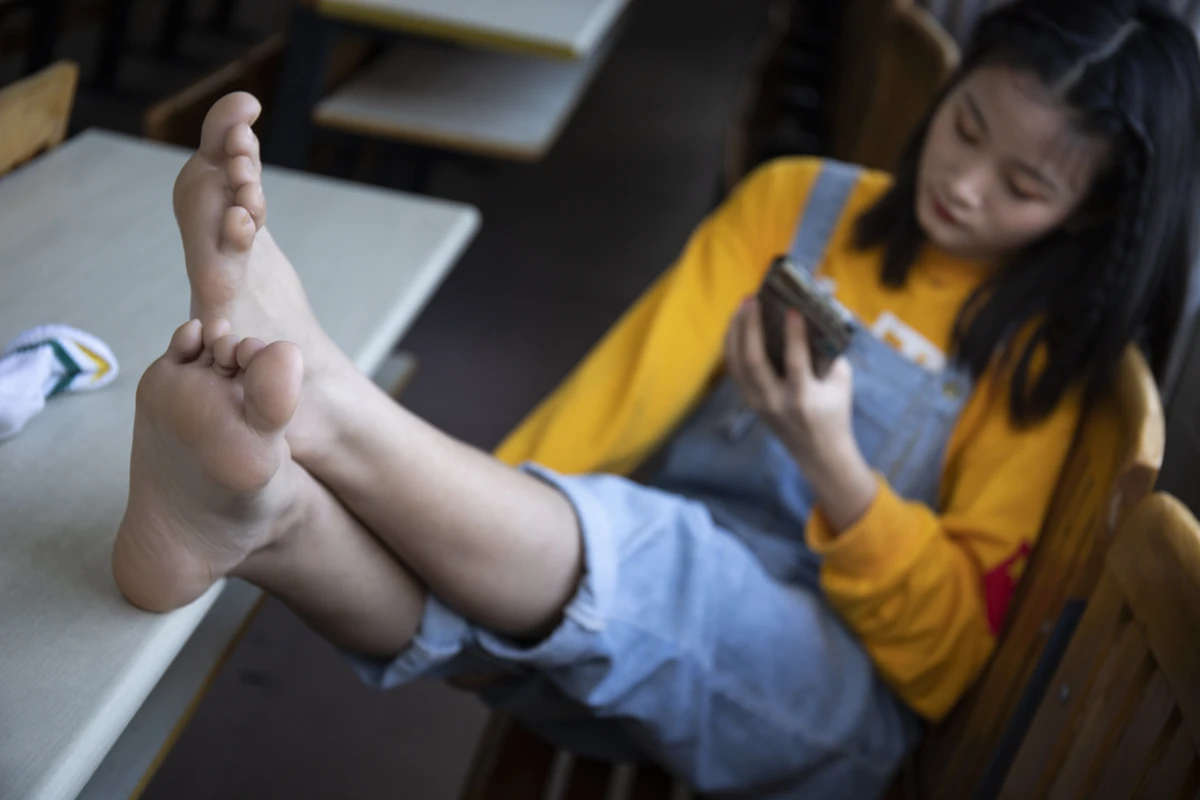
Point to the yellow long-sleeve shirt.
(925, 592)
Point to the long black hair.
(1128, 70)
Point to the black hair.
(1128, 70)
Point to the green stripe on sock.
(70, 366)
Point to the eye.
(965, 130)
(1017, 192)
(1020, 193)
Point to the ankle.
(344, 403)
(304, 534)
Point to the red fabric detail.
(999, 585)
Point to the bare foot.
(211, 479)
(236, 270)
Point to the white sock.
(45, 361)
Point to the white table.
(556, 28)
(87, 238)
(478, 101)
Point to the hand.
(810, 415)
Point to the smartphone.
(830, 324)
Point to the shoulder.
(794, 177)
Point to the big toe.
(272, 386)
(232, 110)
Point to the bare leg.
(502, 548)
(214, 492)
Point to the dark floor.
(565, 246)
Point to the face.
(1002, 166)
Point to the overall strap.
(821, 213)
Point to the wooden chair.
(752, 107)
(916, 56)
(35, 112)
(864, 28)
(891, 61)
(1113, 465)
(1122, 719)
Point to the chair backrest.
(1123, 717)
(1113, 465)
(752, 107)
(34, 113)
(863, 30)
(915, 58)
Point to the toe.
(237, 230)
(241, 141)
(247, 349)
(272, 386)
(251, 198)
(225, 354)
(241, 171)
(187, 341)
(231, 111)
(216, 330)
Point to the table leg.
(47, 14)
(172, 28)
(112, 42)
(422, 169)
(222, 19)
(300, 83)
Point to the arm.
(928, 593)
(652, 367)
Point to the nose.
(968, 187)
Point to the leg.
(172, 29)
(112, 42)
(222, 20)
(682, 648)
(214, 492)
(300, 82)
(47, 16)
(499, 546)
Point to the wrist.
(845, 486)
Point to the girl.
(817, 563)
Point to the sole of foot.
(211, 478)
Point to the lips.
(943, 213)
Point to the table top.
(87, 238)
(494, 104)
(555, 28)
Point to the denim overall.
(699, 635)
(903, 418)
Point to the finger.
(733, 354)
(797, 356)
(754, 356)
(733, 337)
(840, 371)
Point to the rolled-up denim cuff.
(440, 638)
(587, 613)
